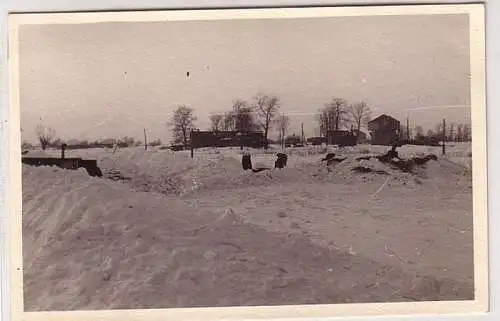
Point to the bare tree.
(360, 113)
(182, 123)
(326, 120)
(266, 107)
(216, 121)
(282, 123)
(467, 133)
(451, 132)
(459, 136)
(340, 109)
(439, 130)
(45, 135)
(419, 132)
(228, 121)
(243, 116)
(332, 116)
(432, 134)
(404, 132)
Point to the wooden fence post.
(63, 149)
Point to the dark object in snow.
(177, 148)
(392, 158)
(409, 164)
(331, 159)
(390, 155)
(281, 161)
(364, 158)
(328, 156)
(67, 163)
(334, 160)
(424, 160)
(403, 165)
(260, 169)
(246, 162)
(116, 175)
(362, 169)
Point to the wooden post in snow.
(63, 149)
(145, 140)
(302, 137)
(444, 136)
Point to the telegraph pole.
(444, 136)
(407, 129)
(302, 126)
(145, 140)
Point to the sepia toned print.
(247, 162)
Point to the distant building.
(384, 130)
(342, 137)
(200, 139)
(316, 140)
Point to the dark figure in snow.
(281, 161)
(246, 162)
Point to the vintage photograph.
(183, 163)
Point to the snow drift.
(164, 230)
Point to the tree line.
(453, 133)
(339, 113)
(47, 138)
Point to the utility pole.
(302, 126)
(407, 129)
(145, 140)
(444, 136)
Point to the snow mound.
(213, 169)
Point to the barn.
(384, 130)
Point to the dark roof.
(382, 117)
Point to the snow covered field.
(164, 230)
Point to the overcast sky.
(109, 80)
